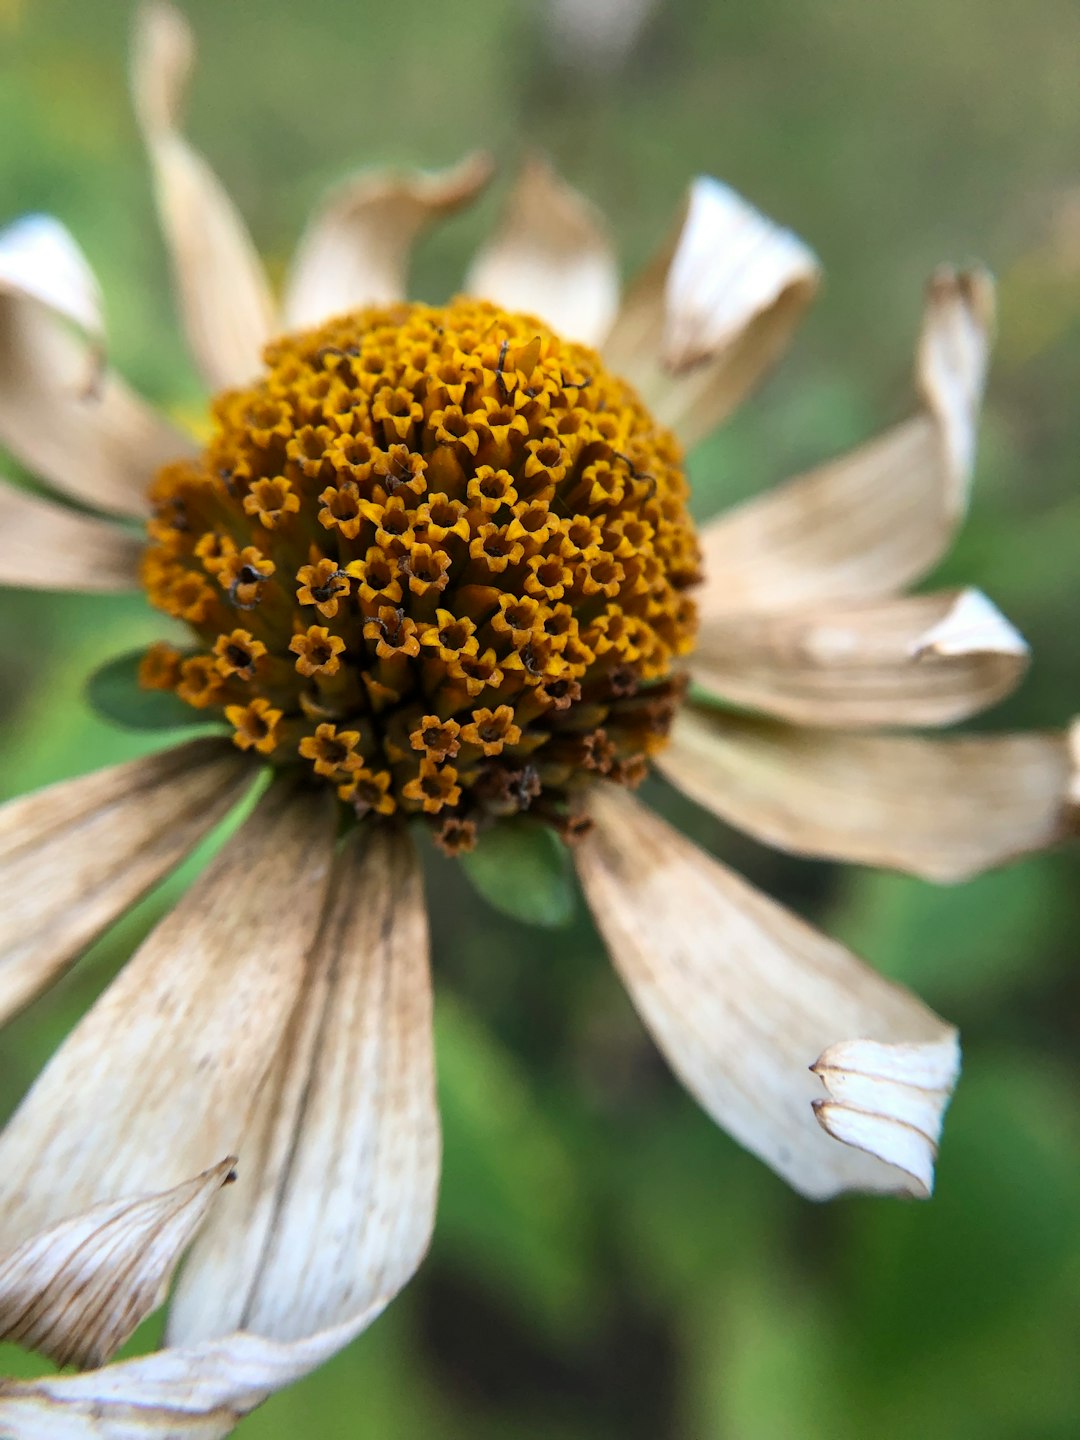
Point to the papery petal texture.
(912, 660)
(551, 256)
(712, 311)
(942, 808)
(77, 1291)
(871, 522)
(225, 303)
(356, 248)
(75, 856)
(743, 998)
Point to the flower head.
(437, 562)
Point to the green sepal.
(114, 693)
(522, 868)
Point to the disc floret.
(439, 558)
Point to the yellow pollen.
(438, 557)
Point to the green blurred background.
(606, 1263)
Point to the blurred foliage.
(606, 1264)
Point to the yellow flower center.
(438, 556)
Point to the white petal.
(225, 301)
(742, 997)
(551, 257)
(870, 523)
(945, 809)
(336, 1200)
(889, 1100)
(713, 310)
(157, 1081)
(356, 249)
(66, 417)
(40, 259)
(914, 660)
(77, 1291)
(47, 547)
(75, 856)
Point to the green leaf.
(115, 693)
(523, 869)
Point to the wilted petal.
(158, 1080)
(889, 1100)
(336, 1192)
(713, 310)
(356, 249)
(336, 1199)
(914, 660)
(943, 808)
(225, 302)
(66, 417)
(46, 547)
(75, 856)
(743, 997)
(551, 257)
(76, 1291)
(868, 524)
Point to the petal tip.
(889, 1100)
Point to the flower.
(437, 562)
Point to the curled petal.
(742, 997)
(40, 260)
(551, 257)
(225, 301)
(46, 547)
(889, 1100)
(63, 413)
(77, 1290)
(75, 856)
(356, 249)
(943, 808)
(712, 312)
(914, 660)
(876, 519)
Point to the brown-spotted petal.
(224, 298)
(912, 660)
(743, 998)
(75, 856)
(712, 311)
(356, 249)
(551, 257)
(76, 1291)
(63, 413)
(868, 524)
(157, 1081)
(335, 1203)
(945, 808)
(47, 547)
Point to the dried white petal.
(551, 256)
(225, 300)
(76, 1291)
(889, 1100)
(871, 522)
(943, 808)
(713, 310)
(48, 547)
(356, 248)
(913, 660)
(742, 996)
